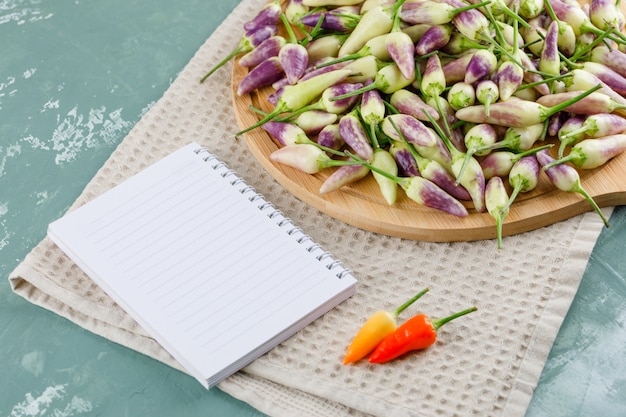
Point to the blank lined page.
(197, 263)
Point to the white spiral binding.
(274, 213)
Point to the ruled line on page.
(138, 201)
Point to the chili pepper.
(407, 102)
(363, 69)
(593, 103)
(249, 41)
(372, 112)
(429, 194)
(478, 141)
(274, 97)
(510, 35)
(593, 152)
(338, 3)
(434, 13)
(534, 36)
(530, 8)
(412, 129)
(459, 44)
(599, 125)
(324, 47)
(482, 64)
(376, 21)
(286, 133)
(487, 92)
(567, 179)
(611, 57)
(373, 47)
(355, 135)
(471, 22)
(433, 80)
(418, 332)
(307, 158)
(407, 165)
(572, 124)
(531, 74)
(496, 198)
(517, 139)
(416, 32)
(294, 59)
(269, 15)
(329, 137)
(610, 77)
(294, 10)
(388, 80)
(313, 121)
(401, 49)
(379, 325)
(576, 17)
(467, 172)
(263, 75)
(295, 97)
(568, 42)
(604, 14)
(556, 123)
(435, 38)
(422, 191)
(314, 71)
(447, 118)
(383, 160)
(520, 113)
(461, 95)
(456, 69)
(523, 177)
(581, 80)
(342, 176)
(342, 19)
(500, 163)
(510, 77)
(550, 62)
(266, 49)
(432, 170)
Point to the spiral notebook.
(210, 268)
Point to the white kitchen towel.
(486, 363)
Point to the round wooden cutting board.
(361, 204)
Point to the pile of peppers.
(456, 103)
(383, 340)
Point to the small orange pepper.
(418, 332)
(380, 324)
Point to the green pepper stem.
(265, 119)
(359, 161)
(418, 158)
(217, 66)
(550, 79)
(514, 193)
(513, 15)
(413, 299)
(456, 154)
(437, 323)
(579, 189)
(559, 161)
(469, 7)
(583, 51)
(288, 28)
(361, 90)
(363, 52)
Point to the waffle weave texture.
(485, 364)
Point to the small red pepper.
(418, 332)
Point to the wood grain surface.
(361, 204)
